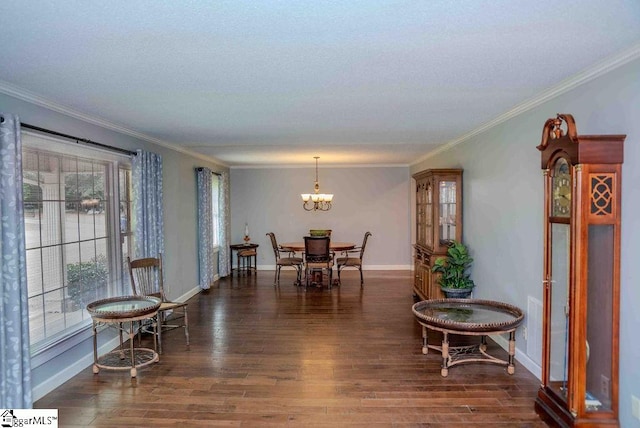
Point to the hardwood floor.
(271, 356)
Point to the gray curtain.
(148, 220)
(205, 228)
(15, 359)
(223, 200)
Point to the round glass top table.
(127, 314)
(469, 317)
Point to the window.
(215, 209)
(72, 195)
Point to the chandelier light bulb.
(316, 201)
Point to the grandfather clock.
(581, 275)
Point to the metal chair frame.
(289, 261)
(355, 262)
(318, 255)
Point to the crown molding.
(566, 85)
(328, 165)
(30, 97)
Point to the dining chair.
(289, 261)
(147, 280)
(318, 256)
(353, 258)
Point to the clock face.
(561, 198)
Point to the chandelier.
(319, 201)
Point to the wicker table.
(126, 314)
(469, 317)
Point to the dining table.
(333, 246)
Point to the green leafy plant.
(85, 279)
(453, 268)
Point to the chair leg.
(160, 323)
(186, 325)
(361, 278)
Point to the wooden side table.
(247, 253)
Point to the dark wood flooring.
(281, 356)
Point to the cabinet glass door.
(447, 220)
(428, 195)
(599, 361)
(559, 305)
(420, 215)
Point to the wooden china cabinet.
(438, 222)
(581, 275)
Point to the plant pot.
(457, 293)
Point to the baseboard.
(520, 356)
(366, 268)
(72, 370)
(39, 391)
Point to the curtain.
(15, 358)
(205, 228)
(223, 226)
(148, 220)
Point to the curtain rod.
(212, 172)
(78, 140)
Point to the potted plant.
(454, 280)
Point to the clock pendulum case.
(581, 275)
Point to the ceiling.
(273, 83)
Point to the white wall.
(503, 198)
(374, 199)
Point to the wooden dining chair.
(353, 258)
(147, 280)
(318, 255)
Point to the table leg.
(131, 350)
(425, 341)
(511, 369)
(96, 369)
(121, 350)
(444, 371)
(483, 343)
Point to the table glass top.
(124, 306)
(468, 314)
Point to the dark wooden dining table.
(333, 245)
